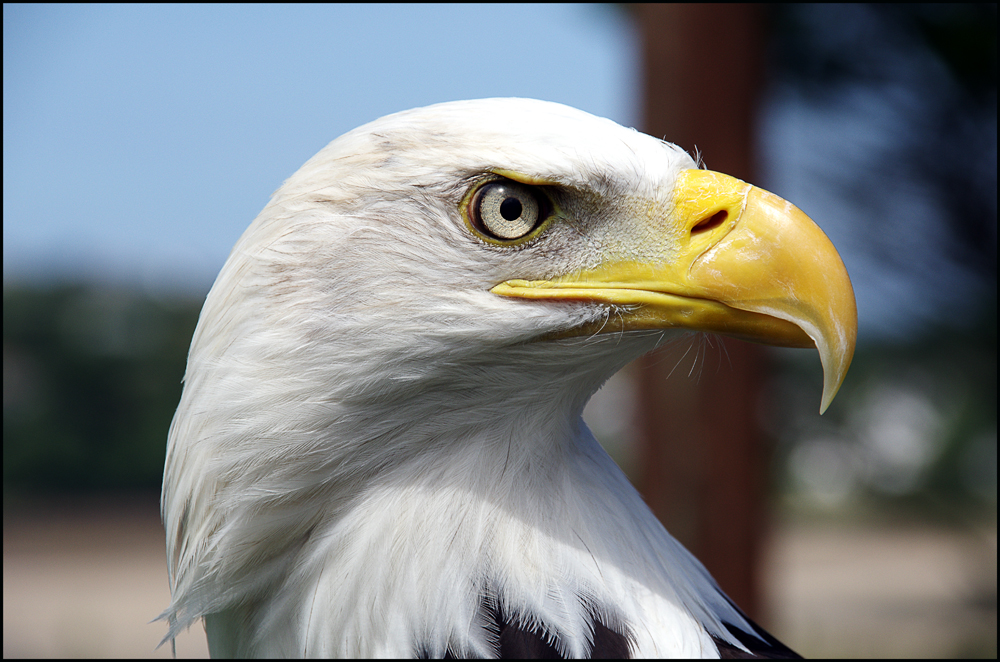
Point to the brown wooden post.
(703, 457)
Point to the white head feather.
(368, 439)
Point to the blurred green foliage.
(91, 377)
(913, 426)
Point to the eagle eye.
(506, 210)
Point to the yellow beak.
(736, 260)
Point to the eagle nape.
(379, 449)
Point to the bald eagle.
(379, 449)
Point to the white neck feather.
(384, 516)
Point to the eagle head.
(379, 442)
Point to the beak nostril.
(710, 223)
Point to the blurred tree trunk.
(702, 456)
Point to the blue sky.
(140, 141)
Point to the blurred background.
(139, 142)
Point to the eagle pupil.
(510, 209)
